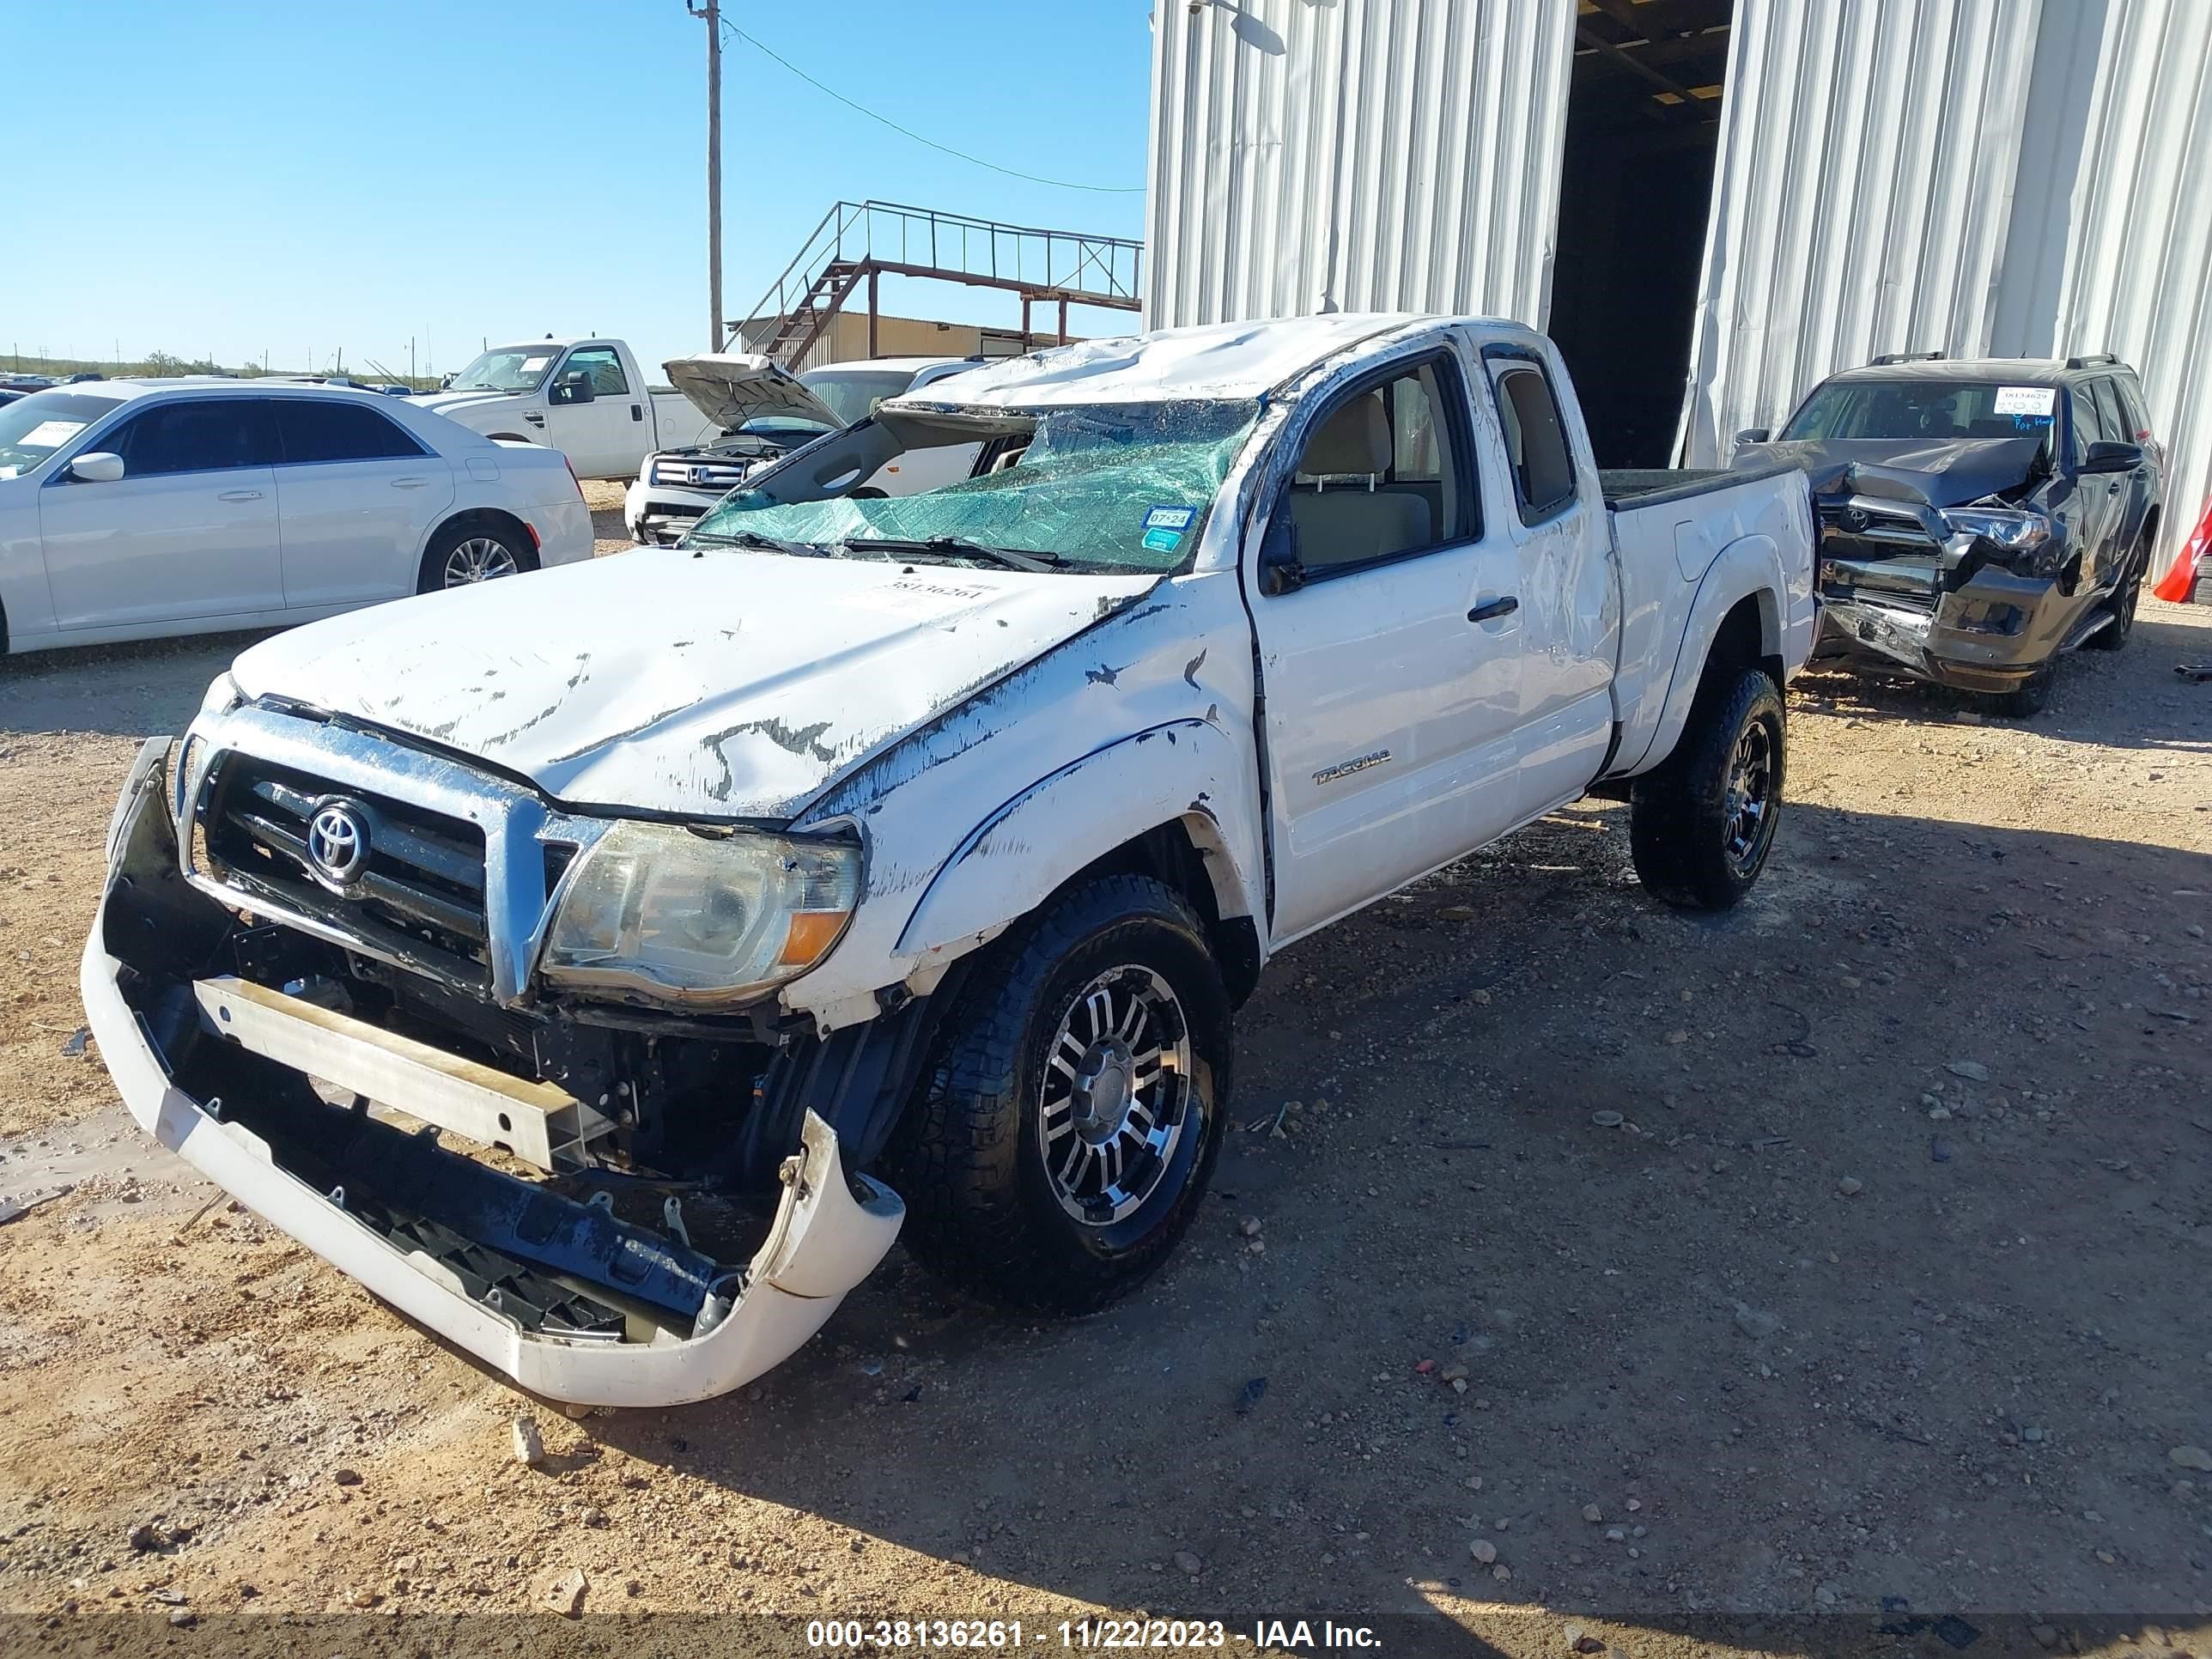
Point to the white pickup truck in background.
(873, 861)
(762, 411)
(586, 398)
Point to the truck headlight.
(2015, 530)
(659, 911)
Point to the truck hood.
(445, 402)
(1949, 472)
(732, 387)
(725, 685)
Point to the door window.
(602, 366)
(1535, 441)
(212, 435)
(1384, 474)
(321, 429)
(2089, 420)
(2131, 407)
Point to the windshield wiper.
(954, 547)
(752, 538)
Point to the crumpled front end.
(471, 1212)
(1902, 588)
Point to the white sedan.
(136, 509)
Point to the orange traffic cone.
(2179, 584)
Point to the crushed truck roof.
(1218, 360)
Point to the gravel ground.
(1574, 1261)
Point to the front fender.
(1028, 846)
(1749, 566)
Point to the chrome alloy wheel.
(1114, 1100)
(1748, 808)
(479, 559)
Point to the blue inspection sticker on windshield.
(1164, 527)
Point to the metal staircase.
(858, 241)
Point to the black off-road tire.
(968, 1157)
(1680, 822)
(2127, 594)
(2032, 694)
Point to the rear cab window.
(1537, 452)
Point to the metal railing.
(1039, 265)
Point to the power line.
(960, 155)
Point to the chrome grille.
(420, 894)
(701, 475)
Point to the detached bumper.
(829, 1231)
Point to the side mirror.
(2111, 457)
(1281, 569)
(98, 467)
(1754, 434)
(573, 389)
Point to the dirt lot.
(1887, 1281)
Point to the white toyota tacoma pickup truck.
(586, 398)
(602, 968)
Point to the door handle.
(240, 496)
(1492, 609)
(409, 483)
(636, 412)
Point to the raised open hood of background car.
(732, 387)
(729, 685)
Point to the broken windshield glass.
(1105, 486)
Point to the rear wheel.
(1074, 1109)
(463, 555)
(2126, 596)
(1701, 825)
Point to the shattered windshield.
(1940, 411)
(1122, 487)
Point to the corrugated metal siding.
(1861, 196)
(2131, 229)
(1395, 154)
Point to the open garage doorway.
(1636, 188)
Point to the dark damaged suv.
(1977, 517)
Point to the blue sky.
(230, 176)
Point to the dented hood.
(1948, 472)
(731, 685)
(732, 387)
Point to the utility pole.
(712, 11)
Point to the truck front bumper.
(660, 515)
(137, 978)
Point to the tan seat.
(1342, 517)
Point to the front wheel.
(2126, 596)
(1069, 1121)
(1701, 824)
(2032, 695)
(463, 555)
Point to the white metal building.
(1711, 203)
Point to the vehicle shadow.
(122, 691)
(2130, 698)
(1770, 1238)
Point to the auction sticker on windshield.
(51, 434)
(1164, 527)
(2025, 400)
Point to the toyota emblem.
(337, 843)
